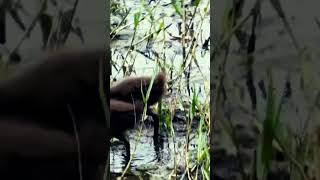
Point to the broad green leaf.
(161, 27)
(277, 117)
(177, 6)
(268, 127)
(197, 2)
(136, 19)
(260, 168)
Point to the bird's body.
(43, 99)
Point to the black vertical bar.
(211, 89)
(3, 21)
(108, 76)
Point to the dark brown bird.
(38, 99)
(127, 105)
(129, 89)
(41, 99)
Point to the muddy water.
(92, 27)
(274, 50)
(153, 161)
(173, 51)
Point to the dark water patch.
(153, 158)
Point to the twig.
(135, 144)
(32, 25)
(115, 31)
(70, 23)
(77, 139)
(105, 108)
(226, 41)
(228, 36)
(292, 159)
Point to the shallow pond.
(154, 160)
(157, 161)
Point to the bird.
(39, 103)
(127, 104)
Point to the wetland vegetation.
(265, 105)
(172, 37)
